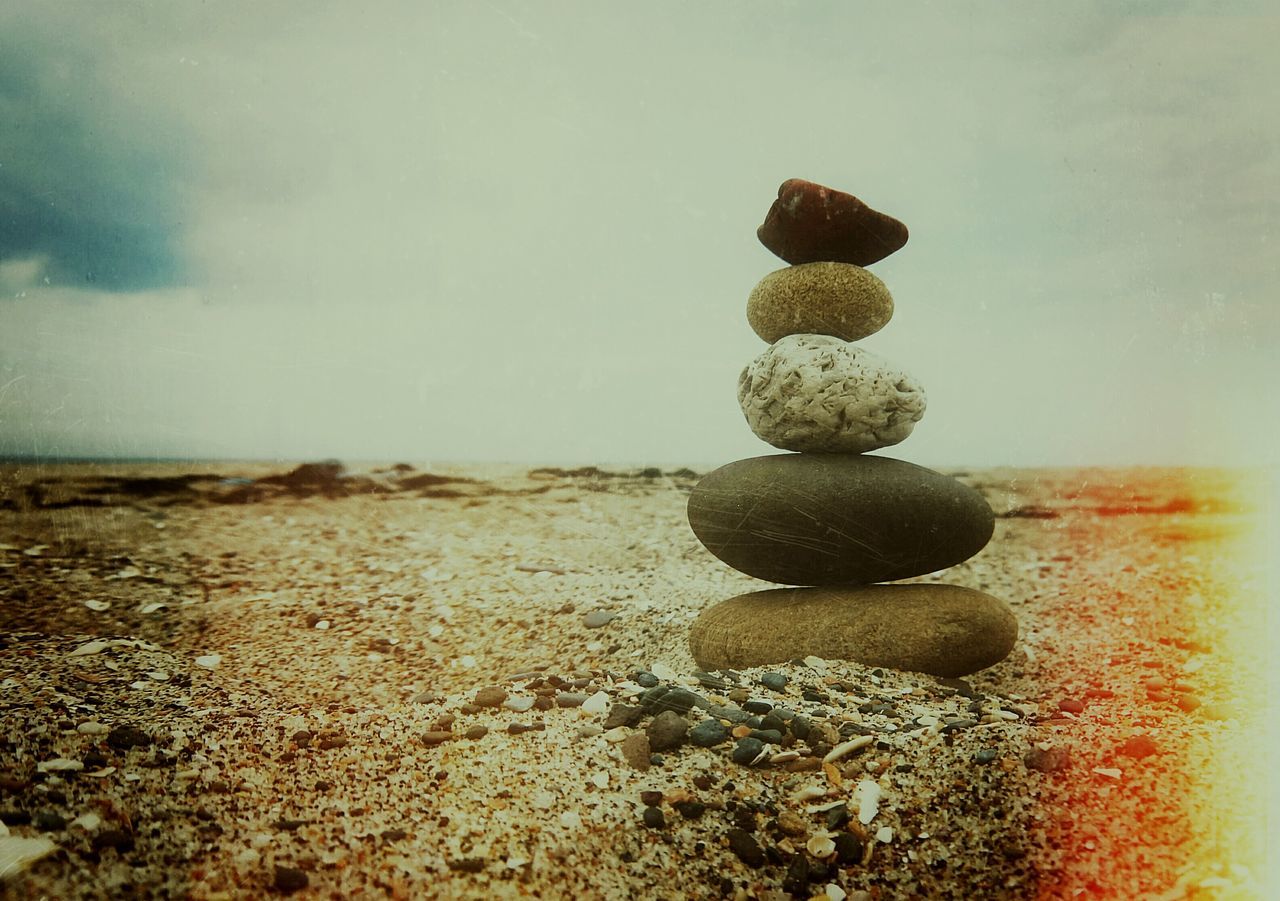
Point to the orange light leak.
(1234, 804)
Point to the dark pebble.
(768, 736)
(667, 731)
(394, 835)
(475, 732)
(703, 781)
(747, 750)
(708, 733)
(290, 879)
(650, 798)
(774, 722)
(49, 821)
(985, 755)
(690, 810)
(796, 880)
(706, 680)
(431, 739)
(957, 725)
(122, 738)
(746, 848)
(623, 715)
(800, 727)
(732, 714)
(645, 679)
(757, 706)
(15, 817)
(118, 839)
(467, 864)
(815, 697)
(1071, 705)
(1047, 761)
(653, 818)
(664, 697)
(543, 702)
(774, 681)
(848, 848)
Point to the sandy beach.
(221, 681)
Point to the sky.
(525, 231)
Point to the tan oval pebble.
(837, 299)
(943, 630)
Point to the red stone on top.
(809, 223)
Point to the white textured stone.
(819, 393)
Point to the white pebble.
(322, 624)
(87, 821)
(466, 661)
(597, 703)
(835, 892)
(518, 704)
(209, 661)
(151, 608)
(542, 799)
(435, 631)
(59, 765)
(816, 663)
(571, 820)
(884, 834)
(662, 671)
(616, 734)
(600, 780)
(98, 606)
(92, 728)
(1109, 772)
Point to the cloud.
(90, 178)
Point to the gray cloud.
(90, 178)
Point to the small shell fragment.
(821, 846)
(98, 606)
(868, 793)
(845, 748)
(808, 793)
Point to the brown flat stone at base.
(943, 630)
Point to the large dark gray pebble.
(826, 519)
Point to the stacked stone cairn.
(829, 516)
